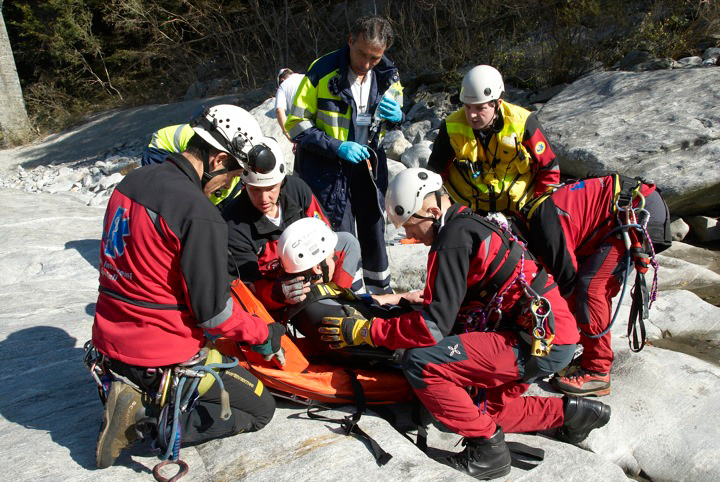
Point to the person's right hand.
(350, 330)
(295, 289)
(272, 347)
(353, 152)
(415, 296)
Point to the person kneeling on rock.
(164, 290)
(307, 251)
(492, 319)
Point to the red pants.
(598, 281)
(495, 362)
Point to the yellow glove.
(351, 330)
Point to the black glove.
(272, 346)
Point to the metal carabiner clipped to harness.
(541, 344)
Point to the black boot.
(581, 416)
(483, 458)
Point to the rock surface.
(615, 121)
(663, 398)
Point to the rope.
(186, 404)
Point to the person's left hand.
(390, 110)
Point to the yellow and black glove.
(350, 330)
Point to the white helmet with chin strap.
(304, 244)
(228, 128)
(481, 84)
(406, 193)
(265, 165)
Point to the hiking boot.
(581, 416)
(483, 458)
(117, 431)
(582, 382)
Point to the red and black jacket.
(252, 237)
(460, 258)
(571, 223)
(163, 276)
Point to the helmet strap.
(325, 271)
(436, 223)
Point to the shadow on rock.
(49, 390)
(89, 249)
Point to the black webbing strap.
(624, 188)
(639, 310)
(519, 451)
(483, 291)
(317, 292)
(538, 284)
(350, 423)
(417, 418)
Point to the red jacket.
(163, 271)
(459, 259)
(572, 223)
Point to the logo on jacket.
(577, 186)
(119, 228)
(540, 148)
(454, 350)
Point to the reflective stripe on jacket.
(502, 174)
(172, 138)
(324, 100)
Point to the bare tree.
(13, 116)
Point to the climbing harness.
(178, 392)
(632, 227)
(184, 399)
(536, 316)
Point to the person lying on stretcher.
(306, 249)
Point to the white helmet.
(305, 243)
(406, 193)
(265, 165)
(228, 128)
(481, 84)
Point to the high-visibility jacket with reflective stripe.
(505, 172)
(323, 115)
(324, 101)
(172, 138)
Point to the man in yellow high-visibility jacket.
(174, 140)
(492, 155)
(337, 120)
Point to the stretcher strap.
(519, 450)
(350, 423)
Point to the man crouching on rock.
(164, 286)
(492, 320)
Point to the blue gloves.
(389, 110)
(353, 152)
